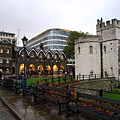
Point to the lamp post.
(101, 51)
(24, 83)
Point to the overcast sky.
(32, 17)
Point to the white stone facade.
(87, 62)
(107, 61)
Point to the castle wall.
(110, 29)
(110, 37)
(110, 58)
(85, 62)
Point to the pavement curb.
(12, 111)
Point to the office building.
(52, 39)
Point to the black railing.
(84, 77)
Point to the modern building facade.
(99, 54)
(52, 39)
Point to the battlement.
(109, 24)
(89, 38)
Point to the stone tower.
(105, 56)
(110, 38)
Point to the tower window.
(91, 73)
(104, 48)
(78, 49)
(91, 49)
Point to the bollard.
(52, 80)
(89, 77)
(67, 86)
(83, 77)
(101, 92)
(38, 82)
(77, 77)
(45, 80)
(58, 79)
(71, 78)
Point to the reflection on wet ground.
(26, 108)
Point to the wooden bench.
(7, 82)
(33, 88)
(15, 85)
(97, 106)
(59, 96)
(12, 84)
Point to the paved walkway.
(25, 109)
(4, 114)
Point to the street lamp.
(101, 51)
(24, 83)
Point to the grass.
(112, 96)
(42, 80)
(68, 79)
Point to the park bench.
(33, 88)
(30, 88)
(97, 106)
(12, 84)
(7, 82)
(57, 95)
(15, 85)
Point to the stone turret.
(107, 25)
(109, 30)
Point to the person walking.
(0, 77)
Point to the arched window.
(1, 60)
(32, 54)
(1, 50)
(56, 56)
(79, 49)
(7, 60)
(40, 55)
(104, 48)
(91, 73)
(7, 70)
(91, 49)
(61, 57)
(48, 55)
(112, 71)
(7, 51)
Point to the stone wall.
(98, 84)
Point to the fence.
(83, 77)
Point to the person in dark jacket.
(0, 77)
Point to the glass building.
(53, 39)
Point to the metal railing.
(84, 77)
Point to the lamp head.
(24, 40)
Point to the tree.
(69, 50)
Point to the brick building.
(38, 60)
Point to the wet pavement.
(23, 108)
(4, 113)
